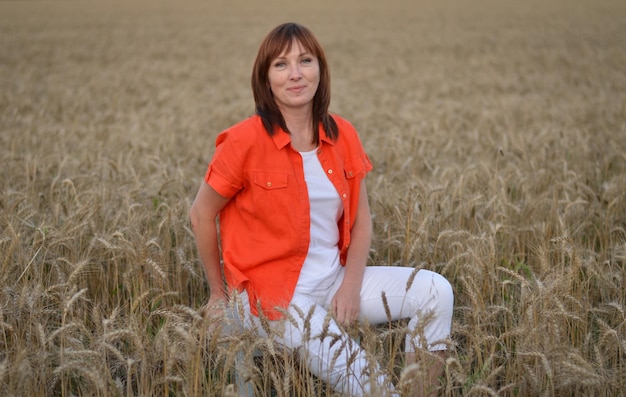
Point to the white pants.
(331, 354)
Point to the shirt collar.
(324, 137)
(282, 138)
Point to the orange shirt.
(264, 228)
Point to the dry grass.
(498, 134)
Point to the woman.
(295, 226)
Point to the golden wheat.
(498, 135)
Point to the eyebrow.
(299, 55)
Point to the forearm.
(208, 250)
(346, 302)
(360, 241)
(358, 254)
(203, 215)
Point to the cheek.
(317, 76)
(317, 81)
(273, 80)
(277, 83)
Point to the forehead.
(293, 46)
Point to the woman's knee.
(441, 294)
(445, 291)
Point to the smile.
(297, 89)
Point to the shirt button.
(344, 196)
(269, 184)
(350, 173)
(330, 171)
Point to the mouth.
(297, 89)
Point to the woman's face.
(294, 77)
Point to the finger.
(340, 316)
(346, 319)
(213, 310)
(351, 316)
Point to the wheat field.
(497, 130)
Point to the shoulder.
(348, 134)
(246, 130)
(343, 124)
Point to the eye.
(279, 64)
(307, 60)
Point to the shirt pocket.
(353, 169)
(270, 180)
(268, 208)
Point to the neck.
(300, 125)
(301, 131)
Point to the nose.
(294, 73)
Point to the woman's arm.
(346, 302)
(203, 214)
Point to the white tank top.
(321, 265)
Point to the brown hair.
(278, 40)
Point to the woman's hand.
(346, 303)
(215, 307)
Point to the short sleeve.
(225, 171)
(356, 158)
